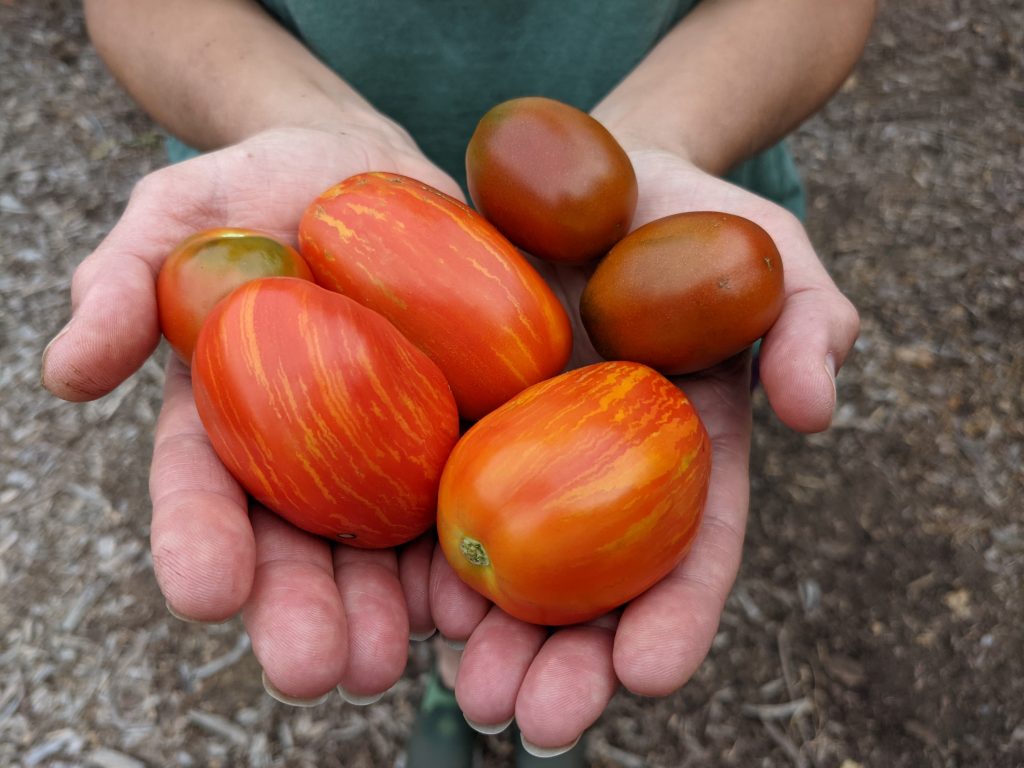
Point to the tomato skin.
(206, 267)
(447, 280)
(324, 412)
(580, 493)
(685, 292)
(551, 178)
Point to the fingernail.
(48, 347)
(455, 645)
(488, 729)
(187, 620)
(291, 700)
(536, 751)
(419, 637)
(830, 369)
(55, 339)
(360, 701)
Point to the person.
(288, 97)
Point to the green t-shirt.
(436, 66)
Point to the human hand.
(558, 683)
(319, 616)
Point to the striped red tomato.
(324, 412)
(577, 495)
(447, 280)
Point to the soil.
(879, 616)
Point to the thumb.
(803, 351)
(114, 324)
(112, 330)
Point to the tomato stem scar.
(474, 551)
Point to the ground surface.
(881, 601)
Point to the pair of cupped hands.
(323, 616)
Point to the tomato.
(577, 495)
(447, 280)
(551, 178)
(205, 268)
(684, 292)
(324, 412)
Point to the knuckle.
(849, 317)
(153, 186)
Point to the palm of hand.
(322, 616)
(350, 623)
(556, 685)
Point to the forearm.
(735, 76)
(216, 71)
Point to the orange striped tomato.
(447, 280)
(577, 495)
(324, 412)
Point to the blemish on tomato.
(474, 551)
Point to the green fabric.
(773, 174)
(436, 66)
(440, 736)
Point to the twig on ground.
(795, 754)
(211, 668)
(219, 726)
(613, 754)
(785, 711)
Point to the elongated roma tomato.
(685, 292)
(206, 267)
(551, 178)
(577, 495)
(324, 412)
(447, 280)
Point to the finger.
(810, 340)
(456, 608)
(414, 574)
(802, 354)
(114, 325)
(567, 687)
(378, 621)
(818, 325)
(108, 337)
(665, 633)
(494, 664)
(202, 540)
(294, 614)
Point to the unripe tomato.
(685, 292)
(445, 277)
(324, 412)
(551, 178)
(206, 267)
(576, 495)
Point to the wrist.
(635, 134)
(319, 110)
